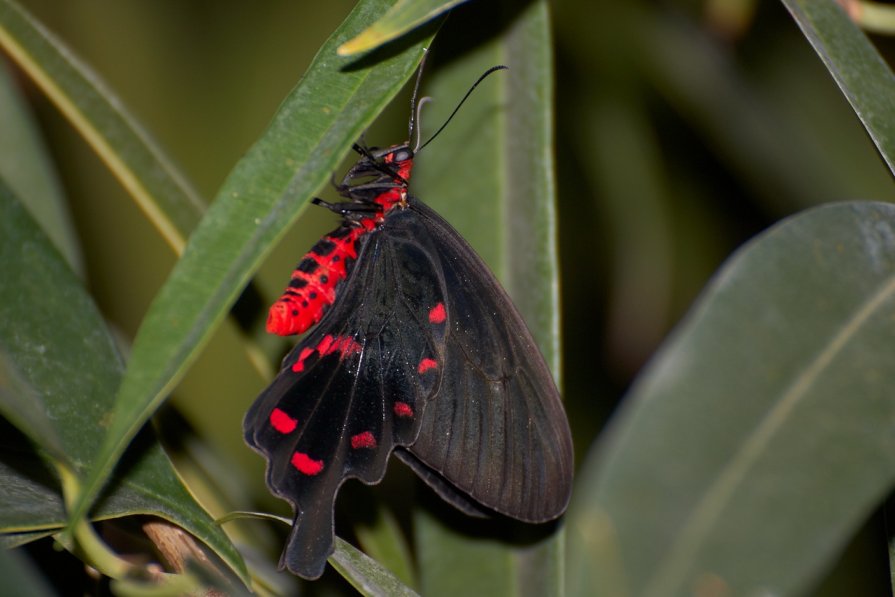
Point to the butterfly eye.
(402, 155)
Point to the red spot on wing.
(329, 344)
(402, 409)
(325, 345)
(299, 365)
(282, 422)
(363, 440)
(345, 345)
(426, 365)
(437, 314)
(306, 465)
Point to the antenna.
(414, 108)
(457, 109)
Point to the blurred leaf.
(503, 136)
(17, 571)
(26, 167)
(98, 115)
(490, 174)
(862, 74)
(766, 420)
(878, 17)
(762, 145)
(23, 407)
(400, 18)
(385, 543)
(455, 563)
(623, 156)
(365, 574)
(60, 371)
(312, 131)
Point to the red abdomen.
(313, 285)
(312, 288)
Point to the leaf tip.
(365, 40)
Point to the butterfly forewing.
(352, 389)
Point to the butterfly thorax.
(378, 180)
(373, 187)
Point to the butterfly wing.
(496, 431)
(351, 390)
(424, 352)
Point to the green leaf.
(384, 542)
(59, 370)
(23, 407)
(139, 165)
(365, 574)
(404, 16)
(52, 339)
(26, 167)
(861, 73)
(310, 134)
(18, 571)
(31, 503)
(491, 175)
(759, 141)
(767, 419)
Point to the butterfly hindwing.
(352, 389)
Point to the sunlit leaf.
(404, 16)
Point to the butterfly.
(415, 350)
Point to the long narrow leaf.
(160, 191)
(365, 574)
(490, 173)
(26, 168)
(862, 74)
(59, 370)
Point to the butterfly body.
(417, 350)
(312, 287)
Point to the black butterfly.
(418, 351)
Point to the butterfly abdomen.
(312, 288)
(314, 283)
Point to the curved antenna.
(462, 101)
(419, 131)
(414, 113)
